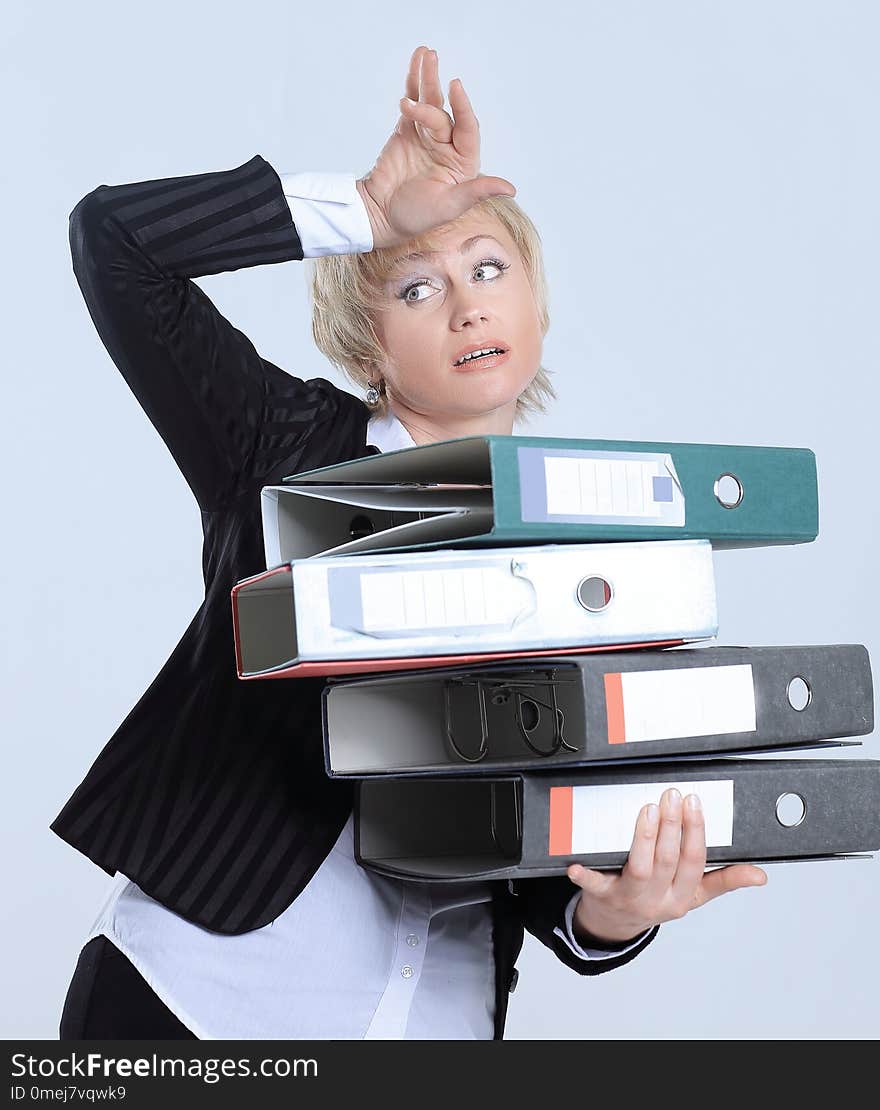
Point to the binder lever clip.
(501, 690)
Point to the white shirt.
(356, 955)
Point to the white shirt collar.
(387, 433)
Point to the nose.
(468, 310)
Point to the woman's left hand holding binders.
(664, 877)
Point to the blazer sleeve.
(212, 398)
(541, 906)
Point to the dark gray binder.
(588, 709)
(534, 825)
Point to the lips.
(485, 362)
(482, 346)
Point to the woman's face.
(473, 293)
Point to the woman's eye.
(411, 293)
(414, 288)
(490, 263)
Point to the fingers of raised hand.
(413, 75)
(421, 111)
(430, 91)
(405, 125)
(466, 135)
(434, 120)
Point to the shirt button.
(406, 971)
(412, 940)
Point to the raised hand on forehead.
(428, 172)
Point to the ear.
(368, 372)
(373, 368)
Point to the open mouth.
(480, 356)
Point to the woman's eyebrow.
(466, 245)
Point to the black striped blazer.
(212, 795)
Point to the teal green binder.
(508, 490)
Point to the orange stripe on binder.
(560, 820)
(614, 708)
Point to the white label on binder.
(615, 487)
(409, 600)
(699, 701)
(603, 817)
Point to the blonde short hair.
(346, 289)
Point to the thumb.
(591, 882)
(469, 192)
(734, 876)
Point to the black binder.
(532, 825)
(596, 708)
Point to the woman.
(238, 909)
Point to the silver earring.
(372, 396)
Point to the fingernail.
(673, 799)
(653, 815)
(693, 803)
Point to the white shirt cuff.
(329, 213)
(589, 953)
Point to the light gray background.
(705, 180)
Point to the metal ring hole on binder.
(728, 491)
(526, 714)
(791, 809)
(594, 593)
(799, 693)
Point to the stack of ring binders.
(515, 636)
